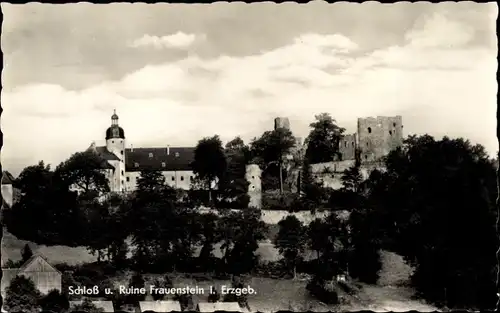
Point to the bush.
(318, 290)
(54, 301)
(272, 270)
(94, 272)
(273, 200)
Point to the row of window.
(370, 129)
(163, 164)
(173, 178)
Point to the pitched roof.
(107, 306)
(7, 178)
(103, 152)
(219, 306)
(38, 257)
(104, 155)
(174, 159)
(160, 306)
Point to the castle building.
(123, 165)
(374, 139)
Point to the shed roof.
(219, 306)
(160, 306)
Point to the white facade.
(175, 179)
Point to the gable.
(37, 264)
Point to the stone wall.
(378, 136)
(347, 147)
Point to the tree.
(323, 140)
(352, 179)
(209, 161)
(210, 235)
(437, 201)
(271, 149)
(136, 281)
(85, 171)
(242, 232)
(328, 237)
(234, 185)
(88, 307)
(26, 253)
(364, 258)
(290, 241)
(22, 296)
(54, 301)
(312, 191)
(35, 216)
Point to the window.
(122, 182)
(123, 173)
(353, 143)
(369, 130)
(366, 157)
(345, 144)
(390, 132)
(177, 154)
(394, 124)
(112, 141)
(128, 179)
(253, 177)
(121, 152)
(190, 177)
(150, 155)
(136, 164)
(182, 177)
(253, 187)
(367, 144)
(163, 164)
(173, 178)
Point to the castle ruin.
(374, 139)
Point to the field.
(390, 294)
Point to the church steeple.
(115, 131)
(114, 118)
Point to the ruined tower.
(378, 136)
(253, 176)
(282, 122)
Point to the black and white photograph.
(249, 157)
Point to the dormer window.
(163, 164)
(136, 164)
(150, 155)
(177, 154)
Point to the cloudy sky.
(177, 73)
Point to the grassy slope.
(272, 295)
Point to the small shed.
(160, 306)
(219, 306)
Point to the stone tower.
(282, 122)
(115, 143)
(378, 136)
(253, 176)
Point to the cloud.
(439, 30)
(441, 90)
(178, 40)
